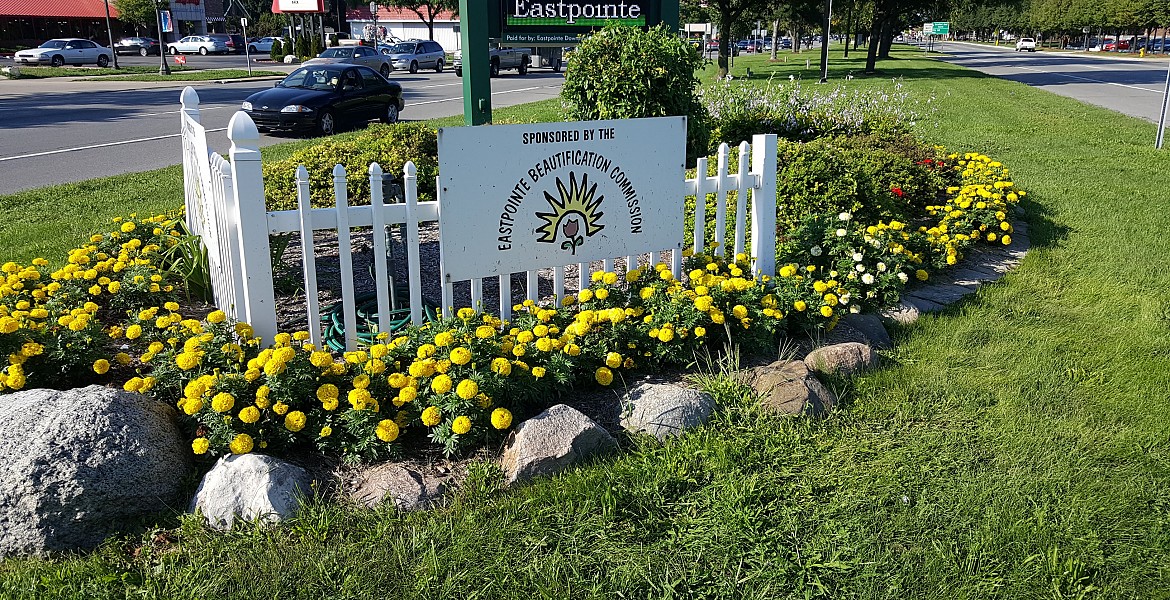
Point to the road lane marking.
(1132, 87)
(95, 146)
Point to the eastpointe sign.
(569, 13)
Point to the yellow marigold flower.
(280, 408)
(426, 351)
(441, 384)
(601, 294)
(241, 444)
(740, 311)
(199, 445)
(665, 335)
(461, 425)
(609, 278)
(460, 356)
(538, 372)
(406, 394)
(223, 402)
(501, 418)
(186, 360)
(431, 416)
(128, 226)
(501, 366)
(326, 431)
(387, 430)
(359, 398)
(585, 295)
(1006, 240)
(295, 421)
(921, 275)
(101, 366)
(134, 332)
(361, 381)
(703, 303)
(327, 391)
(613, 360)
(604, 376)
(467, 389)
(216, 316)
(465, 313)
(443, 339)
(484, 331)
(250, 414)
(572, 350)
(826, 311)
(700, 331)
(191, 405)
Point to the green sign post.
(941, 28)
(477, 87)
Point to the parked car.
(198, 43)
(65, 51)
(142, 46)
(1114, 46)
(259, 45)
(1028, 44)
(413, 55)
(235, 43)
(354, 55)
(499, 59)
(320, 98)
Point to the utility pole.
(110, 33)
(163, 67)
(1162, 120)
(825, 42)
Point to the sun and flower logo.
(575, 214)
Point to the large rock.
(871, 327)
(841, 359)
(552, 441)
(663, 409)
(251, 487)
(406, 488)
(789, 388)
(79, 465)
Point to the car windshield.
(337, 53)
(401, 49)
(54, 44)
(309, 78)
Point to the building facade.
(404, 24)
(28, 23)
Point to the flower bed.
(110, 314)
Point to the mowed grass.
(141, 73)
(1016, 446)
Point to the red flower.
(897, 191)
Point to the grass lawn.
(141, 73)
(1016, 446)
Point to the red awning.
(76, 9)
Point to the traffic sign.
(180, 60)
(941, 28)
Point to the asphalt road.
(1133, 87)
(60, 131)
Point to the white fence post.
(764, 204)
(413, 270)
(190, 101)
(251, 218)
(308, 257)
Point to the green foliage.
(302, 46)
(277, 51)
(140, 13)
(314, 45)
(625, 73)
(391, 146)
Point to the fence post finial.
(252, 223)
(190, 101)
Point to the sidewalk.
(15, 88)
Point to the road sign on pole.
(473, 31)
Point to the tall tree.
(139, 13)
(727, 16)
(427, 10)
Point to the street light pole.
(825, 42)
(163, 67)
(1162, 119)
(110, 33)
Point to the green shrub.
(315, 46)
(625, 73)
(277, 51)
(302, 47)
(391, 146)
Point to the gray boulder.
(407, 488)
(251, 487)
(841, 359)
(871, 327)
(79, 465)
(551, 442)
(788, 388)
(663, 410)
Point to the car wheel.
(390, 115)
(252, 49)
(385, 70)
(494, 69)
(523, 68)
(103, 61)
(57, 61)
(413, 66)
(458, 72)
(203, 51)
(326, 124)
(439, 66)
(174, 51)
(143, 52)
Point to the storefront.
(27, 23)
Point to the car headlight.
(246, 105)
(296, 108)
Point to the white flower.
(844, 216)
(903, 277)
(881, 267)
(860, 268)
(844, 298)
(857, 257)
(854, 309)
(841, 232)
(832, 273)
(867, 279)
(815, 251)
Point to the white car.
(198, 43)
(1028, 44)
(263, 44)
(65, 51)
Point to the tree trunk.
(775, 37)
(887, 38)
(848, 27)
(875, 29)
(726, 21)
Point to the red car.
(1112, 46)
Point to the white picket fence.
(225, 206)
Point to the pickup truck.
(501, 59)
(1028, 44)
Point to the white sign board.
(523, 197)
(287, 6)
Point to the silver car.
(65, 51)
(413, 55)
(354, 55)
(198, 43)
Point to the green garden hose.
(367, 319)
